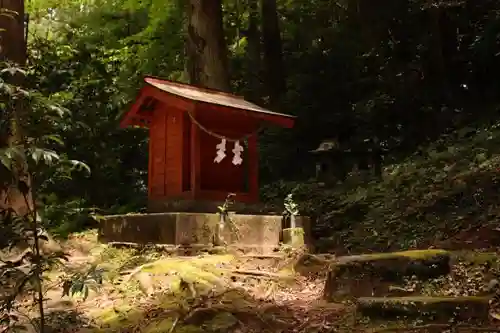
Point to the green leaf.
(50, 157)
(76, 287)
(6, 160)
(55, 138)
(78, 165)
(85, 292)
(7, 89)
(58, 110)
(13, 71)
(36, 155)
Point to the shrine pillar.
(195, 161)
(253, 169)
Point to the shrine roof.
(211, 96)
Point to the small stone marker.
(293, 237)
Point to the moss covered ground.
(149, 291)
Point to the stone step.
(416, 327)
(375, 274)
(425, 309)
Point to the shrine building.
(202, 142)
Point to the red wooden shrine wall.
(178, 149)
(165, 149)
(224, 176)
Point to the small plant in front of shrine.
(228, 202)
(291, 210)
(225, 218)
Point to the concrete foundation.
(260, 233)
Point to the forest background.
(407, 87)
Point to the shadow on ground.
(227, 311)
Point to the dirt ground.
(148, 291)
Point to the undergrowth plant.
(291, 210)
(28, 154)
(225, 219)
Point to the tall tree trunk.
(438, 60)
(273, 54)
(12, 33)
(206, 47)
(13, 50)
(254, 52)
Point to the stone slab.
(259, 232)
(436, 309)
(375, 274)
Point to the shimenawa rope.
(222, 137)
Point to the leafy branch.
(24, 157)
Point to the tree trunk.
(206, 47)
(254, 52)
(438, 58)
(13, 50)
(12, 33)
(273, 54)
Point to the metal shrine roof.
(210, 96)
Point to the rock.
(375, 274)
(435, 309)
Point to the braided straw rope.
(221, 137)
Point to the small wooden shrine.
(202, 142)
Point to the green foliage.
(349, 76)
(81, 283)
(291, 207)
(444, 189)
(65, 217)
(27, 131)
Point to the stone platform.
(257, 233)
(204, 206)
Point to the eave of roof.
(204, 95)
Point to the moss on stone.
(414, 254)
(114, 317)
(222, 322)
(165, 325)
(218, 250)
(476, 257)
(439, 309)
(205, 271)
(293, 237)
(374, 274)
